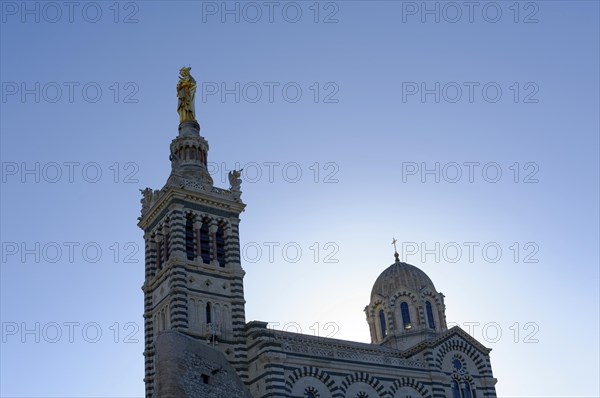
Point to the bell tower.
(193, 275)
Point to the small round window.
(457, 364)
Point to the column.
(212, 232)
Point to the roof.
(401, 275)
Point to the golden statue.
(186, 91)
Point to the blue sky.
(367, 96)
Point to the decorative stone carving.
(149, 197)
(234, 180)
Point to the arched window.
(311, 392)
(455, 389)
(382, 324)
(166, 247)
(204, 243)
(208, 313)
(162, 250)
(405, 315)
(159, 262)
(467, 390)
(189, 239)
(221, 246)
(430, 319)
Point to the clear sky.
(468, 131)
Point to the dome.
(401, 275)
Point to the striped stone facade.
(193, 277)
(194, 296)
(285, 364)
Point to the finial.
(396, 255)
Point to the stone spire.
(189, 158)
(189, 151)
(189, 154)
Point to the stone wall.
(187, 367)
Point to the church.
(197, 340)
